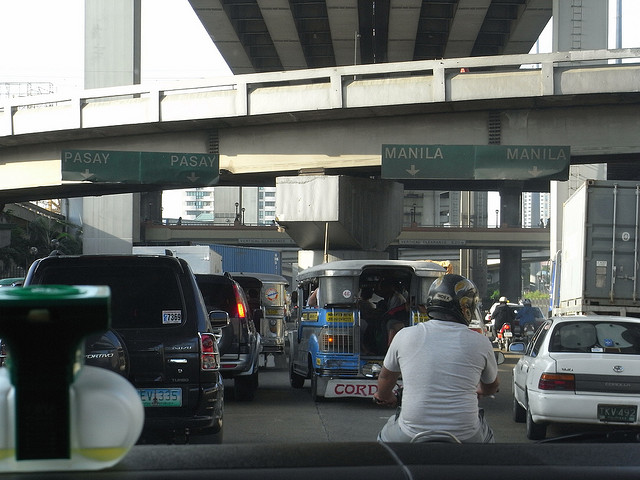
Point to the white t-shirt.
(442, 364)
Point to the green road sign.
(152, 168)
(475, 162)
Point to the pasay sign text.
(158, 168)
(475, 162)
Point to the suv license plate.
(161, 397)
(617, 413)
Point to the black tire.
(535, 431)
(519, 413)
(245, 386)
(296, 381)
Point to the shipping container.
(246, 259)
(201, 258)
(599, 257)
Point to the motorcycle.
(505, 337)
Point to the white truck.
(596, 272)
(201, 258)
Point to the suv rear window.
(218, 295)
(142, 296)
(596, 337)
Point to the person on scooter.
(502, 314)
(525, 314)
(444, 366)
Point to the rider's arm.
(488, 388)
(386, 383)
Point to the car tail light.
(557, 381)
(209, 355)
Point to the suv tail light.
(3, 353)
(557, 381)
(240, 304)
(209, 355)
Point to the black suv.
(162, 339)
(240, 345)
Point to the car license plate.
(161, 397)
(508, 334)
(617, 413)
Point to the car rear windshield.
(596, 337)
(142, 296)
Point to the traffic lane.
(282, 413)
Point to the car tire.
(519, 412)
(296, 381)
(245, 386)
(535, 431)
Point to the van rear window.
(141, 296)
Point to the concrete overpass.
(423, 238)
(333, 119)
(277, 35)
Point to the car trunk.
(601, 373)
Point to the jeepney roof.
(263, 277)
(350, 268)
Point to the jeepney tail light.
(209, 356)
(557, 381)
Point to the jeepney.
(267, 297)
(334, 345)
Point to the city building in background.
(221, 205)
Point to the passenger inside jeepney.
(370, 317)
(396, 315)
(312, 300)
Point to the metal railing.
(313, 89)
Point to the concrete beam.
(404, 16)
(215, 21)
(284, 34)
(344, 25)
(465, 26)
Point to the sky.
(43, 41)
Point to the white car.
(579, 369)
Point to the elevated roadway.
(423, 238)
(333, 120)
(276, 35)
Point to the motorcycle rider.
(502, 314)
(444, 367)
(525, 314)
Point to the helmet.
(452, 295)
(503, 300)
(526, 302)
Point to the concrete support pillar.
(511, 257)
(112, 58)
(335, 212)
(511, 272)
(580, 25)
